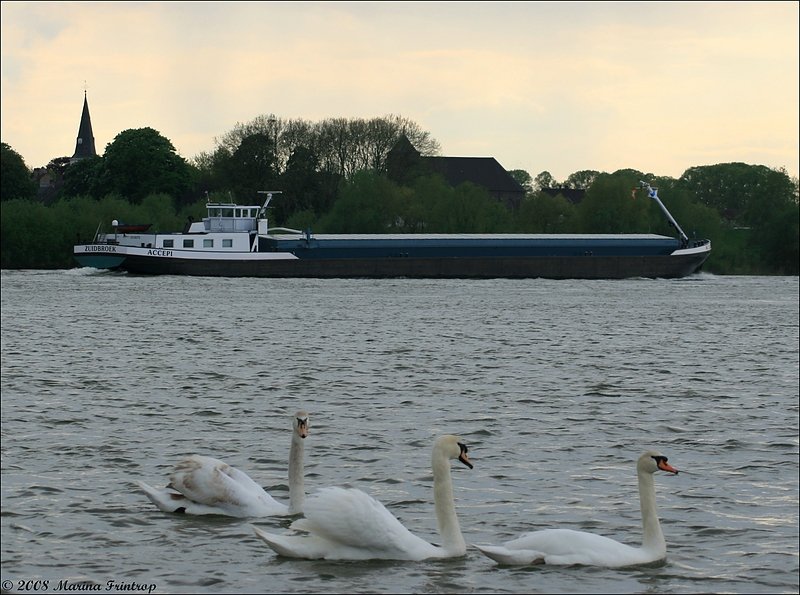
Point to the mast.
(263, 212)
(653, 193)
(262, 224)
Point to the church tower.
(84, 147)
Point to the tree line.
(333, 176)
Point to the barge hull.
(569, 267)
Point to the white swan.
(566, 547)
(347, 524)
(202, 485)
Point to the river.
(555, 386)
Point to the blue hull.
(100, 260)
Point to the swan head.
(652, 460)
(300, 424)
(453, 448)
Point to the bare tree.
(343, 146)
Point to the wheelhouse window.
(188, 243)
(208, 243)
(169, 243)
(227, 243)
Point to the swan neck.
(446, 519)
(653, 538)
(297, 489)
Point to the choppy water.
(556, 386)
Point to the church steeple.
(84, 147)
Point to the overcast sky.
(559, 87)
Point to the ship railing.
(284, 230)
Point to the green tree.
(84, 178)
(741, 192)
(544, 180)
(59, 166)
(609, 207)
(466, 208)
(25, 228)
(523, 178)
(367, 203)
(305, 188)
(542, 213)
(15, 177)
(779, 239)
(425, 209)
(140, 161)
(253, 167)
(581, 180)
(267, 126)
(760, 203)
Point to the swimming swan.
(202, 485)
(347, 524)
(565, 546)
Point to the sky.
(540, 86)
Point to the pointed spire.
(84, 147)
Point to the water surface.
(556, 386)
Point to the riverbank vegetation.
(333, 178)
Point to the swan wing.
(346, 523)
(355, 518)
(511, 557)
(168, 500)
(567, 547)
(227, 490)
(309, 547)
(165, 499)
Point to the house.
(48, 184)
(404, 163)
